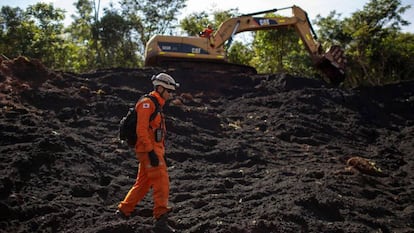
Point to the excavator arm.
(331, 63)
(190, 52)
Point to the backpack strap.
(157, 106)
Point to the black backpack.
(128, 124)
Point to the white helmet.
(164, 80)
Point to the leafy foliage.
(372, 40)
(35, 32)
(115, 39)
(240, 53)
(152, 16)
(376, 49)
(281, 51)
(196, 22)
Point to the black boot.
(121, 214)
(161, 225)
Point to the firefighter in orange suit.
(150, 150)
(207, 31)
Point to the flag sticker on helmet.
(146, 105)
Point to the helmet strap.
(162, 92)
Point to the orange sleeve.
(144, 108)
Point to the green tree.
(36, 32)
(195, 23)
(331, 30)
(271, 51)
(281, 50)
(240, 53)
(397, 58)
(115, 39)
(107, 41)
(17, 32)
(48, 41)
(83, 53)
(369, 38)
(153, 17)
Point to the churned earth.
(258, 153)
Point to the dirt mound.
(263, 153)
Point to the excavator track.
(201, 55)
(205, 66)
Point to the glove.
(153, 158)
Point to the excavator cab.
(176, 51)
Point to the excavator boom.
(177, 51)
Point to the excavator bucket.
(332, 64)
(209, 54)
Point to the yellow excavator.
(193, 52)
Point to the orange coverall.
(207, 32)
(148, 176)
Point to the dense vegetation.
(377, 51)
